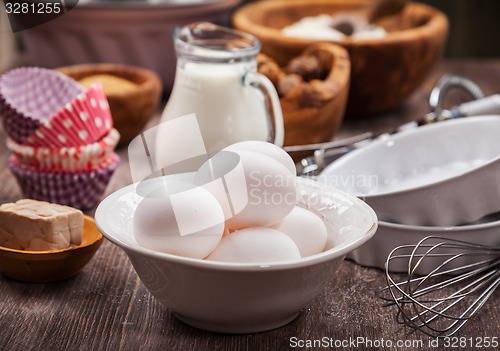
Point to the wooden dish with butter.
(45, 260)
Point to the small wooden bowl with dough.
(49, 266)
(133, 93)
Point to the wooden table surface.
(106, 307)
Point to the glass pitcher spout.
(212, 43)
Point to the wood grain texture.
(106, 307)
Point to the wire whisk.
(447, 282)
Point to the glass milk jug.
(217, 80)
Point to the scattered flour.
(320, 27)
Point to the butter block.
(39, 226)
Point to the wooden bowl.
(384, 72)
(49, 266)
(313, 110)
(131, 109)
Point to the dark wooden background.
(106, 307)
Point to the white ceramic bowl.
(389, 235)
(241, 298)
(137, 33)
(439, 175)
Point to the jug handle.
(275, 115)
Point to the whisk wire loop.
(447, 282)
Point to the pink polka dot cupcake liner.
(29, 96)
(81, 190)
(77, 158)
(84, 120)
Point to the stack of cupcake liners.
(29, 96)
(61, 136)
(76, 158)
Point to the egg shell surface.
(255, 245)
(262, 194)
(186, 222)
(306, 229)
(267, 149)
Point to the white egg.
(267, 149)
(179, 219)
(254, 189)
(306, 229)
(255, 245)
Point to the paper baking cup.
(31, 95)
(78, 158)
(83, 121)
(81, 190)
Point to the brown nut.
(287, 83)
(317, 93)
(308, 67)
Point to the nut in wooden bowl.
(313, 89)
(384, 71)
(133, 93)
(49, 266)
